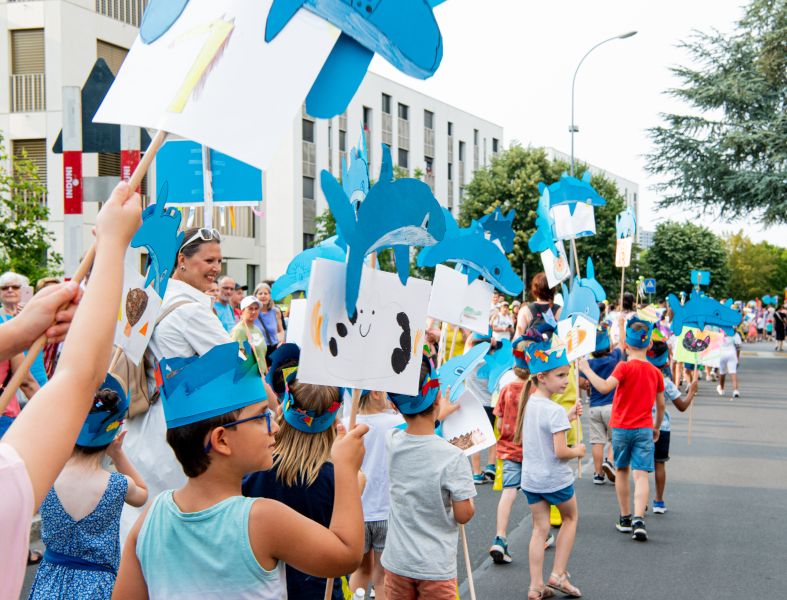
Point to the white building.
(645, 238)
(54, 43)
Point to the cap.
(248, 301)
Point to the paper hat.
(602, 337)
(658, 354)
(544, 356)
(202, 387)
(412, 405)
(102, 425)
(308, 421)
(519, 353)
(286, 354)
(638, 339)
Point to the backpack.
(135, 376)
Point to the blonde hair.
(520, 413)
(271, 304)
(299, 456)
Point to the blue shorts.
(512, 474)
(633, 448)
(552, 498)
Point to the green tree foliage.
(680, 247)
(755, 269)
(25, 242)
(511, 181)
(731, 155)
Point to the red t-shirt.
(638, 383)
(506, 408)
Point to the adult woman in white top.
(190, 328)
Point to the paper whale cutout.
(496, 364)
(355, 176)
(626, 224)
(701, 311)
(454, 372)
(570, 190)
(159, 235)
(296, 278)
(395, 214)
(544, 237)
(590, 282)
(499, 227)
(583, 298)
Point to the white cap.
(248, 301)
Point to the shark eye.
(496, 271)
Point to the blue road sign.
(650, 286)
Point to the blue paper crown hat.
(658, 358)
(602, 338)
(202, 387)
(638, 339)
(307, 420)
(412, 405)
(102, 425)
(545, 356)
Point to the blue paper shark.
(544, 237)
(570, 190)
(496, 364)
(296, 279)
(159, 235)
(355, 177)
(700, 311)
(626, 224)
(499, 227)
(395, 214)
(158, 17)
(590, 282)
(453, 373)
(581, 300)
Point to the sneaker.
(598, 479)
(479, 479)
(639, 532)
(624, 524)
(659, 508)
(719, 390)
(499, 551)
(490, 471)
(736, 394)
(550, 541)
(609, 470)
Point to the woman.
(11, 285)
(247, 331)
(780, 326)
(189, 327)
(269, 321)
(544, 297)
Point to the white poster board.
(138, 311)
(623, 252)
(379, 350)
(213, 79)
(469, 428)
(578, 334)
(296, 322)
(556, 268)
(568, 225)
(457, 303)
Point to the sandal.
(539, 594)
(34, 557)
(561, 583)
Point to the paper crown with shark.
(545, 356)
(602, 337)
(638, 338)
(197, 388)
(305, 420)
(412, 405)
(103, 424)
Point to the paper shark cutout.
(395, 214)
(570, 190)
(499, 227)
(701, 311)
(454, 372)
(355, 177)
(591, 283)
(581, 300)
(626, 224)
(159, 235)
(496, 364)
(296, 278)
(158, 17)
(544, 237)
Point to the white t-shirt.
(376, 499)
(542, 471)
(501, 320)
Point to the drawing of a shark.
(700, 311)
(395, 214)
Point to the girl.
(80, 516)
(546, 477)
(374, 409)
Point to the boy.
(636, 383)
(431, 494)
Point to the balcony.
(309, 157)
(475, 157)
(450, 148)
(387, 129)
(403, 131)
(428, 141)
(28, 92)
(126, 11)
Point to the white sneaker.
(736, 394)
(719, 390)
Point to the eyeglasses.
(205, 234)
(14, 287)
(266, 415)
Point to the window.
(403, 157)
(450, 128)
(27, 51)
(461, 150)
(112, 54)
(429, 165)
(109, 164)
(308, 130)
(428, 119)
(251, 276)
(308, 188)
(404, 112)
(450, 171)
(386, 104)
(495, 145)
(475, 137)
(367, 118)
(342, 141)
(308, 240)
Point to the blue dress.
(94, 539)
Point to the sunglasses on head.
(14, 286)
(205, 234)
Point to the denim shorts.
(512, 474)
(551, 498)
(633, 448)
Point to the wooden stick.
(82, 270)
(441, 345)
(622, 285)
(577, 439)
(576, 257)
(328, 589)
(356, 398)
(468, 564)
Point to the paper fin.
(402, 256)
(281, 12)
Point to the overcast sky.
(511, 61)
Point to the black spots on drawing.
(400, 356)
(333, 347)
(341, 329)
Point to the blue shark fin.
(472, 275)
(386, 168)
(281, 12)
(339, 78)
(339, 204)
(159, 16)
(402, 256)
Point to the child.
(730, 351)
(80, 517)
(636, 383)
(431, 493)
(547, 479)
(205, 540)
(375, 411)
(603, 363)
(658, 356)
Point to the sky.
(511, 62)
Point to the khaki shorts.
(600, 431)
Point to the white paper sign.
(556, 268)
(213, 79)
(457, 303)
(139, 309)
(578, 334)
(623, 252)
(581, 223)
(296, 322)
(379, 350)
(469, 428)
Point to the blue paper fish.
(626, 224)
(499, 227)
(700, 311)
(544, 237)
(355, 176)
(496, 364)
(570, 190)
(159, 235)
(453, 372)
(581, 300)
(395, 214)
(296, 278)
(591, 283)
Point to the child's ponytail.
(520, 414)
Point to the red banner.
(72, 182)
(129, 159)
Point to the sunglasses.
(205, 234)
(10, 287)
(266, 415)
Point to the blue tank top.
(204, 554)
(269, 325)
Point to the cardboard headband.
(102, 425)
(308, 421)
(658, 357)
(602, 338)
(543, 356)
(412, 405)
(638, 339)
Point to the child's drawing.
(468, 428)
(455, 301)
(139, 308)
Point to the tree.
(680, 247)
(25, 242)
(755, 269)
(732, 156)
(511, 181)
